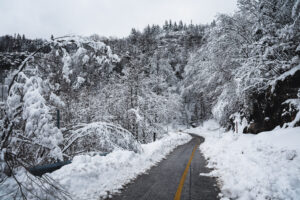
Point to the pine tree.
(166, 26)
(180, 26)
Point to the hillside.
(75, 95)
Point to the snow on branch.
(100, 136)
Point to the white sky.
(41, 18)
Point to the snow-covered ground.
(263, 166)
(92, 177)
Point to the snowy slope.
(92, 177)
(264, 166)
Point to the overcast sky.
(41, 18)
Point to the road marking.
(181, 183)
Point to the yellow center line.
(181, 183)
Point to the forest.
(60, 93)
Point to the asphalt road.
(164, 181)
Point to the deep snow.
(94, 177)
(263, 166)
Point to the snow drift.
(263, 166)
(94, 177)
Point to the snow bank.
(264, 166)
(94, 177)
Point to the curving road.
(175, 178)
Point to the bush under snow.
(100, 137)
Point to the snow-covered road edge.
(263, 166)
(94, 177)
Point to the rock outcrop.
(272, 108)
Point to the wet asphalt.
(161, 182)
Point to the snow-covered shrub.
(99, 137)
